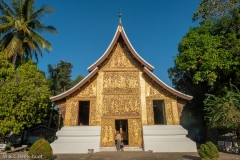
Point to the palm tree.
(60, 77)
(19, 27)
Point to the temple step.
(126, 148)
(77, 139)
(167, 138)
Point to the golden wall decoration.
(135, 132)
(153, 90)
(121, 58)
(121, 105)
(71, 116)
(168, 111)
(98, 114)
(93, 121)
(62, 108)
(143, 99)
(156, 92)
(108, 132)
(121, 82)
(89, 90)
(150, 114)
(180, 104)
(176, 119)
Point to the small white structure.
(77, 139)
(167, 138)
(3, 147)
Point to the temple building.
(121, 93)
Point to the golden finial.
(120, 16)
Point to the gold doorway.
(134, 130)
(122, 126)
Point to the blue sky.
(86, 28)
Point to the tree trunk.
(59, 120)
(14, 58)
(50, 119)
(23, 136)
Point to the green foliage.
(24, 96)
(60, 77)
(77, 80)
(208, 151)
(213, 9)
(8, 146)
(19, 28)
(41, 149)
(202, 53)
(6, 69)
(208, 60)
(223, 111)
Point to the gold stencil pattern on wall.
(150, 115)
(168, 110)
(176, 119)
(99, 98)
(143, 100)
(62, 108)
(71, 113)
(121, 82)
(121, 105)
(135, 132)
(89, 90)
(121, 58)
(93, 113)
(153, 90)
(108, 132)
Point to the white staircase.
(77, 139)
(167, 138)
(126, 148)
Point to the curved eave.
(76, 87)
(121, 31)
(165, 86)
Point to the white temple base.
(77, 139)
(167, 138)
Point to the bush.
(41, 149)
(208, 151)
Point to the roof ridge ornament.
(120, 20)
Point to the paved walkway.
(137, 155)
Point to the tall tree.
(209, 58)
(60, 77)
(64, 75)
(24, 96)
(77, 80)
(20, 26)
(214, 9)
(223, 111)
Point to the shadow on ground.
(191, 157)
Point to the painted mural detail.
(120, 58)
(150, 115)
(135, 132)
(121, 105)
(108, 132)
(121, 82)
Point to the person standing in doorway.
(118, 138)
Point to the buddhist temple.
(121, 93)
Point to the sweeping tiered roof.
(147, 68)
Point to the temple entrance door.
(159, 112)
(122, 127)
(83, 113)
